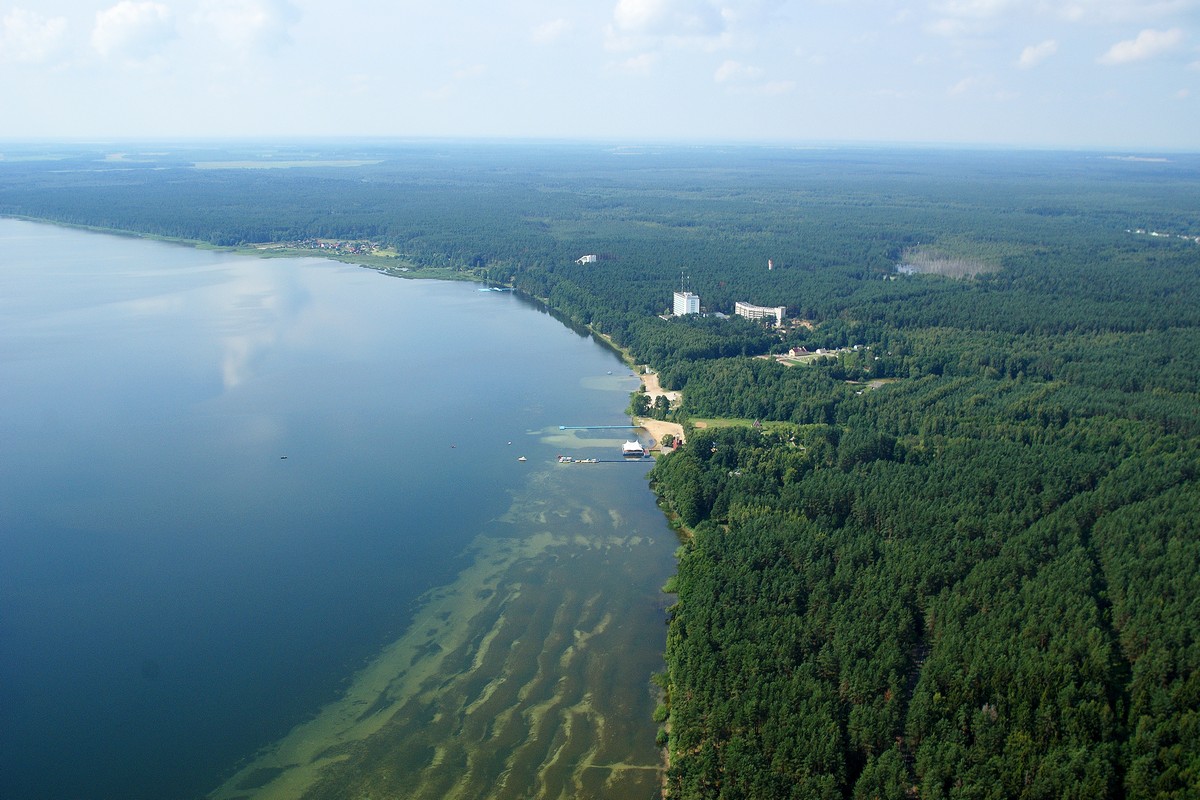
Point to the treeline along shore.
(952, 554)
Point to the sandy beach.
(654, 389)
(656, 429)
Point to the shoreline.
(657, 427)
(268, 250)
(296, 759)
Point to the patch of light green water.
(528, 676)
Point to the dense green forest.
(960, 557)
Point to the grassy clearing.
(740, 422)
(382, 260)
(928, 261)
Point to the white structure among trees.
(686, 303)
(759, 312)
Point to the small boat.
(520, 458)
(564, 459)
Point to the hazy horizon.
(218, 143)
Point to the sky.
(1108, 74)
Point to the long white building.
(686, 303)
(759, 312)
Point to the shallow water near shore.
(265, 534)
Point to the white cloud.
(551, 31)
(681, 18)
(640, 64)
(816, 59)
(247, 25)
(747, 79)
(960, 18)
(640, 15)
(736, 71)
(1148, 44)
(1076, 11)
(975, 8)
(1035, 54)
(469, 72)
(1073, 12)
(948, 27)
(459, 76)
(29, 37)
(1127, 10)
(776, 87)
(966, 17)
(132, 30)
(962, 87)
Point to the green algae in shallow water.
(526, 677)
(258, 778)
(521, 715)
(428, 649)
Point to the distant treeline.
(959, 559)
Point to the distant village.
(1161, 235)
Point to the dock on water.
(597, 427)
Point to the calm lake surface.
(264, 533)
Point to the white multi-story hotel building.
(686, 303)
(759, 312)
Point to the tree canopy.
(958, 558)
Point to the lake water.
(264, 533)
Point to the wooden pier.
(597, 427)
